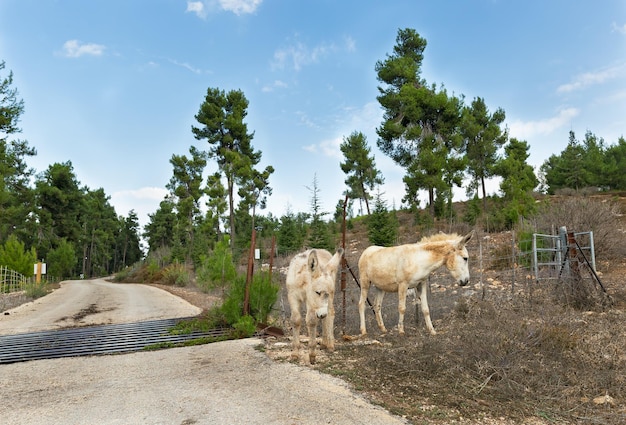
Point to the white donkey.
(311, 280)
(403, 267)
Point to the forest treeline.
(442, 141)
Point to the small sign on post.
(40, 268)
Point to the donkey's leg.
(401, 307)
(296, 322)
(365, 286)
(425, 311)
(328, 326)
(311, 323)
(378, 302)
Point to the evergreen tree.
(186, 188)
(319, 231)
(518, 181)
(99, 228)
(16, 257)
(292, 232)
(483, 138)
(382, 225)
(61, 260)
(159, 232)
(60, 205)
(421, 127)
(218, 270)
(129, 249)
(221, 116)
(579, 165)
(615, 162)
(217, 203)
(360, 168)
(16, 195)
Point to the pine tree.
(360, 168)
(319, 231)
(382, 225)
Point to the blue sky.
(113, 86)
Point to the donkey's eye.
(319, 293)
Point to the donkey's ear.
(334, 262)
(467, 238)
(312, 261)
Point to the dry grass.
(515, 359)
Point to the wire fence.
(12, 281)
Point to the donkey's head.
(323, 278)
(458, 261)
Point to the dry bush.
(583, 214)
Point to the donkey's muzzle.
(463, 282)
(321, 313)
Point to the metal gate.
(552, 253)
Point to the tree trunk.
(231, 207)
(431, 200)
(367, 204)
(482, 182)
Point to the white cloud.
(350, 44)
(186, 66)
(619, 28)
(298, 55)
(75, 49)
(330, 148)
(277, 84)
(196, 7)
(310, 148)
(525, 130)
(239, 7)
(592, 78)
(143, 201)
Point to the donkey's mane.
(438, 237)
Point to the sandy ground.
(232, 382)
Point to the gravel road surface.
(231, 382)
(94, 302)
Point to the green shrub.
(16, 257)
(245, 327)
(217, 270)
(176, 274)
(152, 272)
(263, 296)
(36, 290)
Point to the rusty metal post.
(573, 255)
(343, 266)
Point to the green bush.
(36, 290)
(245, 327)
(263, 296)
(176, 274)
(217, 270)
(14, 256)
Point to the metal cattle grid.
(94, 340)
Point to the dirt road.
(94, 302)
(231, 382)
